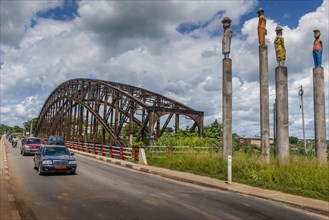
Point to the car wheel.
(39, 170)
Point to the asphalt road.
(104, 191)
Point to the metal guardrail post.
(229, 169)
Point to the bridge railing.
(123, 153)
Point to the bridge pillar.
(176, 123)
(151, 127)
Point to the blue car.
(54, 159)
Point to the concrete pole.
(264, 104)
(319, 115)
(282, 136)
(31, 129)
(274, 130)
(227, 108)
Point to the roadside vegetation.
(302, 176)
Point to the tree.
(27, 124)
(214, 130)
(293, 140)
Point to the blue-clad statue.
(317, 48)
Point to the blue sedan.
(54, 159)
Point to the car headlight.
(47, 162)
(72, 162)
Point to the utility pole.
(31, 128)
(301, 93)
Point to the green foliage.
(301, 177)
(138, 144)
(10, 130)
(293, 140)
(182, 139)
(27, 124)
(214, 130)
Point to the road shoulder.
(308, 204)
(7, 199)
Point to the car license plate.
(60, 167)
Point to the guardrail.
(130, 153)
(124, 153)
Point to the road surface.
(104, 191)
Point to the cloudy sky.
(169, 47)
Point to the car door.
(37, 157)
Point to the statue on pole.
(317, 48)
(261, 27)
(280, 49)
(226, 42)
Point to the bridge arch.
(98, 111)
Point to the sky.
(169, 47)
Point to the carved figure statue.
(226, 42)
(317, 48)
(280, 49)
(261, 27)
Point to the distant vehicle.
(14, 141)
(54, 159)
(30, 145)
(55, 140)
(10, 138)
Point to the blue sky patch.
(285, 12)
(188, 27)
(67, 11)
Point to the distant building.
(255, 140)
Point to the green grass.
(301, 177)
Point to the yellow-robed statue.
(261, 27)
(280, 49)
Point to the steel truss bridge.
(98, 111)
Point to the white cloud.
(117, 41)
(16, 16)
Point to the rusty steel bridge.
(98, 111)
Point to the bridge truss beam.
(99, 111)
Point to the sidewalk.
(313, 205)
(8, 210)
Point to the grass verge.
(301, 177)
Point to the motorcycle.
(14, 142)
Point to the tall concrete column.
(282, 123)
(264, 104)
(319, 115)
(227, 107)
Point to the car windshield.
(58, 138)
(33, 141)
(55, 151)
